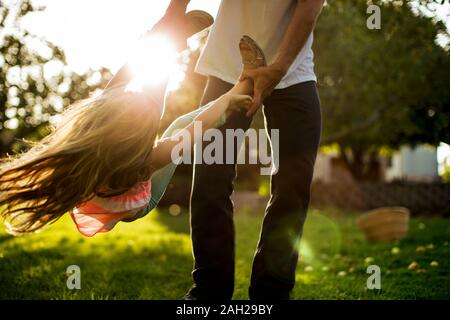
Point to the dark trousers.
(295, 111)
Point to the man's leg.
(295, 111)
(212, 227)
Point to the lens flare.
(152, 61)
(322, 237)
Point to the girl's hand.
(238, 101)
(265, 79)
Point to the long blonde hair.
(101, 146)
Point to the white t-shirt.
(266, 22)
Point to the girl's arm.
(162, 152)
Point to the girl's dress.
(101, 214)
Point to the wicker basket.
(385, 224)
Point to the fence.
(420, 198)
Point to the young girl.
(102, 164)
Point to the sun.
(153, 61)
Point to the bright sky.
(96, 33)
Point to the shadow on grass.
(120, 274)
(5, 237)
(177, 224)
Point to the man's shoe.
(197, 20)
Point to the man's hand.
(265, 79)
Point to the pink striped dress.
(102, 214)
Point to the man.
(287, 86)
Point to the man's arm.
(302, 23)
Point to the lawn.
(151, 259)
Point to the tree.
(381, 88)
(35, 85)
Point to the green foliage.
(381, 88)
(151, 259)
(446, 174)
(395, 79)
(35, 84)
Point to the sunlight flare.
(153, 61)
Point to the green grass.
(151, 259)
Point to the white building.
(414, 164)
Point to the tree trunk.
(363, 166)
